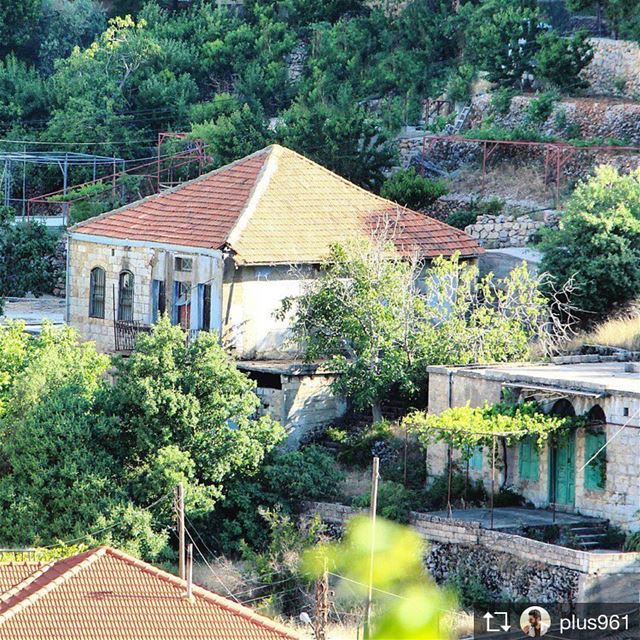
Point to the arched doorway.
(562, 460)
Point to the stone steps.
(591, 535)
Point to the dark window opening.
(265, 379)
(125, 296)
(206, 307)
(97, 291)
(158, 299)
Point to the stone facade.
(146, 263)
(614, 70)
(509, 565)
(617, 502)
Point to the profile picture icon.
(535, 622)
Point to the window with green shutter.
(475, 462)
(595, 471)
(528, 459)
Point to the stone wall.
(498, 231)
(508, 565)
(614, 69)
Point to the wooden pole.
(493, 475)
(180, 524)
(322, 605)
(374, 509)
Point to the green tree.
(598, 242)
(188, 404)
(408, 188)
(502, 38)
(17, 20)
(65, 24)
(27, 259)
(339, 134)
(622, 14)
(381, 319)
(560, 60)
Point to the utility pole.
(179, 507)
(322, 605)
(374, 508)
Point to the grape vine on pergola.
(465, 428)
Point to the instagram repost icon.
(535, 622)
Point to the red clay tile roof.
(273, 207)
(13, 573)
(104, 594)
(199, 213)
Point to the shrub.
(469, 588)
(358, 447)
(26, 259)
(408, 188)
(395, 501)
(540, 108)
(632, 542)
(463, 217)
(501, 100)
(508, 497)
(471, 491)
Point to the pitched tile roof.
(274, 206)
(104, 594)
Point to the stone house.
(221, 252)
(606, 392)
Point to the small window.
(475, 462)
(97, 288)
(528, 459)
(265, 379)
(158, 299)
(594, 472)
(125, 296)
(183, 264)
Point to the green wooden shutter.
(593, 473)
(528, 459)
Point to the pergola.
(14, 170)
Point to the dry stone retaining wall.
(615, 68)
(508, 565)
(498, 231)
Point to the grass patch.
(623, 333)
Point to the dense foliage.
(79, 454)
(333, 80)
(381, 319)
(598, 242)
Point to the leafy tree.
(621, 14)
(560, 60)
(502, 38)
(381, 319)
(598, 241)
(16, 23)
(65, 24)
(26, 259)
(340, 135)
(24, 96)
(408, 188)
(187, 406)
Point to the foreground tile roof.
(272, 207)
(104, 594)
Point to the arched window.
(97, 291)
(563, 408)
(125, 296)
(596, 415)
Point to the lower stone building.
(606, 392)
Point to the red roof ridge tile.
(31, 593)
(39, 569)
(211, 597)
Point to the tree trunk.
(505, 467)
(376, 411)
